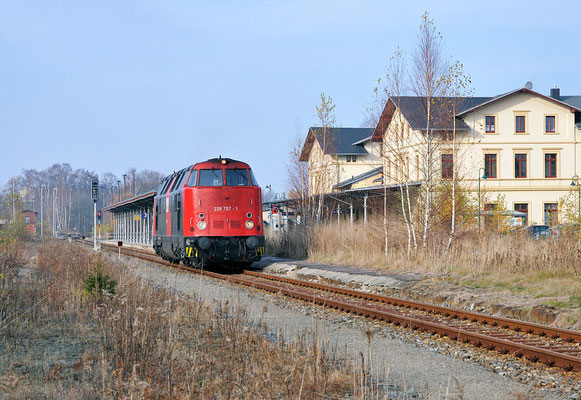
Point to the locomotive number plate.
(226, 208)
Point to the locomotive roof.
(208, 163)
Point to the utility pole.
(13, 206)
(41, 214)
(54, 197)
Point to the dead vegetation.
(539, 268)
(143, 342)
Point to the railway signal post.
(95, 196)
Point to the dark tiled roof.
(414, 111)
(574, 101)
(567, 101)
(357, 178)
(339, 141)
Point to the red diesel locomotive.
(209, 213)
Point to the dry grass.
(150, 343)
(540, 268)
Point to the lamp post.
(118, 191)
(575, 182)
(124, 187)
(479, 207)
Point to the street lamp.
(124, 187)
(575, 182)
(483, 177)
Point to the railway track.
(549, 345)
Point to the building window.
(447, 136)
(490, 122)
(551, 214)
(447, 166)
(520, 165)
(550, 124)
(489, 214)
(490, 165)
(520, 124)
(417, 167)
(550, 165)
(351, 158)
(523, 207)
(27, 220)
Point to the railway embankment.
(415, 359)
(444, 289)
(511, 275)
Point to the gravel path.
(410, 361)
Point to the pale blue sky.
(110, 85)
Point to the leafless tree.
(426, 83)
(456, 87)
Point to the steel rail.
(507, 323)
(505, 345)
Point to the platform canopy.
(139, 201)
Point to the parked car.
(538, 231)
(568, 229)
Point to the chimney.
(556, 92)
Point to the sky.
(160, 85)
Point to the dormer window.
(351, 158)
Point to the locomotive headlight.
(202, 225)
(249, 224)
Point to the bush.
(97, 283)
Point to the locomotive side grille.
(235, 224)
(218, 224)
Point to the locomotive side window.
(237, 177)
(193, 178)
(211, 177)
(253, 178)
(179, 180)
(164, 185)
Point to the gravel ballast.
(418, 364)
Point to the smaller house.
(337, 155)
(30, 220)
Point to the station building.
(522, 145)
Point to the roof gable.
(336, 141)
(414, 110)
(573, 103)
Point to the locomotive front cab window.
(253, 178)
(237, 177)
(193, 178)
(211, 177)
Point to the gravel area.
(420, 365)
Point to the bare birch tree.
(426, 82)
(322, 176)
(457, 90)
